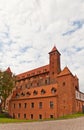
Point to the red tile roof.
(65, 71)
(47, 93)
(34, 72)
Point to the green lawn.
(4, 119)
(76, 115)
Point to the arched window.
(28, 93)
(43, 91)
(17, 95)
(53, 90)
(35, 92)
(22, 94)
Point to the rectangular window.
(51, 104)
(24, 116)
(51, 116)
(25, 105)
(19, 105)
(14, 115)
(45, 81)
(40, 116)
(14, 105)
(40, 105)
(18, 115)
(31, 116)
(32, 105)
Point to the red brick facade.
(46, 92)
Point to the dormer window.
(28, 93)
(17, 95)
(44, 70)
(43, 91)
(22, 94)
(53, 90)
(35, 92)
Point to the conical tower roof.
(54, 49)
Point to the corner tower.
(54, 63)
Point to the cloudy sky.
(30, 28)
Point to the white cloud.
(30, 28)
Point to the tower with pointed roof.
(54, 63)
(46, 92)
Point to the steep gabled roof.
(34, 71)
(65, 71)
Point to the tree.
(7, 83)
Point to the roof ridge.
(65, 71)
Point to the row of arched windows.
(35, 92)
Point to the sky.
(29, 29)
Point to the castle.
(46, 92)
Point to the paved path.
(70, 124)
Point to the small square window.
(51, 116)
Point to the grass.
(76, 115)
(8, 120)
(4, 119)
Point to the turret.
(54, 63)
